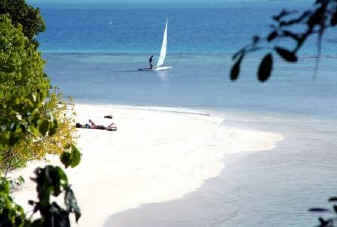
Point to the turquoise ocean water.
(93, 53)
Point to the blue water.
(93, 54)
(111, 29)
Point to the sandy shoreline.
(156, 155)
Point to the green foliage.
(60, 130)
(25, 15)
(72, 158)
(32, 118)
(315, 21)
(11, 214)
(23, 87)
(51, 182)
(34, 121)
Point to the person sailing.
(150, 61)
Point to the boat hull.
(161, 68)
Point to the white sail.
(163, 48)
(160, 64)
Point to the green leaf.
(11, 214)
(265, 68)
(14, 138)
(5, 137)
(53, 128)
(66, 159)
(76, 156)
(43, 126)
(235, 70)
(34, 130)
(58, 179)
(286, 54)
(71, 159)
(50, 180)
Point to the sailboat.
(160, 64)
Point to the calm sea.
(93, 54)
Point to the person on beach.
(110, 127)
(92, 125)
(79, 125)
(150, 61)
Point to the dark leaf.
(65, 159)
(56, 174)
(75, 156)
(4, 137)
(265, 68)
(14, 138)
(335, 208)
(43, 126)
(71, 203)
(323, 222)
(53, 128)
(286, 54)
(316, 18)
(333, 21)
(71, 159)
(333, 199)
(57, 217)
(272, 36)
(50, 180)
(235, 70)
(317, 209)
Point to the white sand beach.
(155, 155)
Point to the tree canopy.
(33, 122)
(25, 15)
(33, 119)
(23, 85)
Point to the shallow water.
(197, 81)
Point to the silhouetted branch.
(316, 21)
